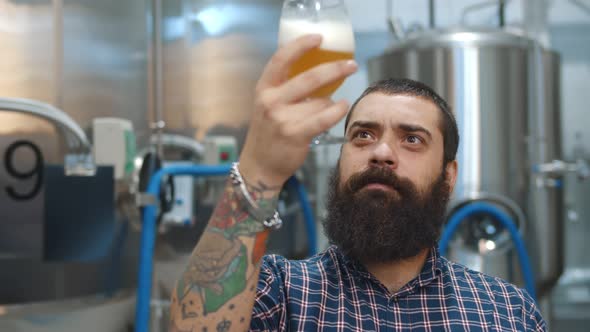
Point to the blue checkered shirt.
(329, 292)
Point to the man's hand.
(285, 120)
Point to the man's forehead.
(395, 109)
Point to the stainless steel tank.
(212, 55)
(508, 124)
(88, 58)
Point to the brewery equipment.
(504, 91)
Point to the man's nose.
(384, 156)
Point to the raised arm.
(216, 292)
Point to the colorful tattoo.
(174, 328)
(259, 246)
(217, 269)
(223, 326)
(187, 314)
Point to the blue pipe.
(148, 231)
(481, 207)
(148, 237)
(307, 215)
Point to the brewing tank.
(508, 124)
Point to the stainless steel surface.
(213, 54)
(545, 200)
(85, 57)
(105, 62)
(571, 297)
(88, 58)
(157, 75)
(27, 40)
(484, 75)
(103, 71)
(94, 313)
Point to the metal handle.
(560, 167)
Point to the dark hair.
(410, 87)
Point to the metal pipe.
(79, 160)
(64, 122)
(478, 6)
(157, 93)
(393, 24)
(195, 147)
(501, 10)
(431, 14)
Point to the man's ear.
(451, 170)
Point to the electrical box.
(220, 150)
(181, 212)
(114, 145)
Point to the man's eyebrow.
(411, 128)
(365, 124)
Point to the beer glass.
(328, 18)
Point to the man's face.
(399, 132)
(389, 192)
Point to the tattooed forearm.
(173, 327)
(260, 190)
(230, 210)
(224, 263)
(223, 326)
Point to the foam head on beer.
(337, 44)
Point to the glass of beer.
(328, 18)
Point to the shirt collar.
(430, 271)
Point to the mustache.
(380, 175)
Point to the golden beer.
(337, 44)
(316, 57)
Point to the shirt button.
(395, 299)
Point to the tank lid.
(464, 37)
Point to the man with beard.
(386, 207)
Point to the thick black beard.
(376, 226)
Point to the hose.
(196, 148)
(307, 215)
(148, 231)
(481, 207)
(74, 135)
(148, 236)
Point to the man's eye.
(363, 134)
(413, 139)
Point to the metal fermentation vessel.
(504, 91)
(192, 64)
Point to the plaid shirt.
(333, 293)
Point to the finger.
(304, 109)
(304, 84)
(277, 69)
(322, 120)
